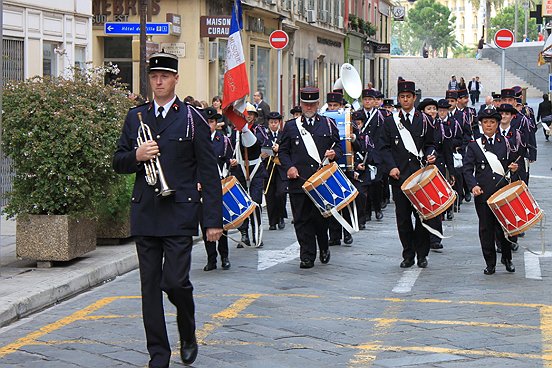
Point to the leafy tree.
(505, 19)
(429, 23)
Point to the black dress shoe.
(521, 235)
(407, 263)
(379, 215)
(210, 267)
(467, 197)
(514, 246)
(348, 239)
(281, 224)
(508, 264)
(244, 239)
(369, 218)
(436, 247)
(384, 204)
(498, 249)
(361, 227)
(489, 270)
(306, 264)
(422, 262)
(272, 227)
(225, 264)
(450, 215)
(325, 256)
(334, 242)
(188, 352)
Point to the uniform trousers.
(165, 266)
(275, 200)
(211, 247)
(437, 224)
(414, 238)
(310, 226)
(256, 193)
(335, 228)
(386, 192)
(489, 227)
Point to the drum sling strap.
(310, 145)
(491, 158)
(406, 137)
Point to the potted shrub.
(114, 212)
(370, 29)
(361, 24)
(60, 134)
(353, 21)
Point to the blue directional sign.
(124, 28)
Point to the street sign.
(278, 39)
(124, 28)
(504, 38)
(549, 82)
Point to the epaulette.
(133, 107)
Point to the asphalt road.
(360, 310)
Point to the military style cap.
(489, 113)
(406, 86)
(508, 93)
(163, 61)
(211, 113)
(310, 94)
(388, 102)
(507, 108)
(443, 104)
(358, 115)
(462, 93)
(379, 94)
(334, 97)
(295, 110)
(518, 90)
(519, 101)
(451, 94)
(369, 93)
(274, 115)
(496, 96)
(427, 102)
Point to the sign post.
(503, 39)
(279, 40)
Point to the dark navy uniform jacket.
(477, 170)
(222, 149)
(271, 140)
(393, 151)
(367, 150)
(527, 129)
(293, 152)
(448, 135)
(186, 152)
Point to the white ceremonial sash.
(308, 141)
(406, 137)
(493, 161)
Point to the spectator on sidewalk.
(462, 84)
(544, 114)
(474, 89)
(480, 45)
(453, 84)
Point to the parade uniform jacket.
(282, 174)
(222, 149)
(528, 130)
(448, 134)
(465, 118)
(367, 150)
(477, 170)
(293, 152)
(393, 151)
(253, 152)
(184, 142)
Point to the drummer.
(310, 226)
(486, 161)
(277, 182)
(334, 101)
(295, 112)
(407, 140)
(389, 105)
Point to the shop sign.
(178, 48)
(547, 8)
(120, 10)
(176, 22)
(382, 48)
(326, 41)
(214, 26)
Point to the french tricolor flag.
(236, 84)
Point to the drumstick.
(326, 160)
(509, 171)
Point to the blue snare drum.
(236, 203)
(346, 161)
(329, 188)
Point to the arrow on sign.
(532, 264)
(110, 28)
(270, 258)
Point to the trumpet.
(154, 172)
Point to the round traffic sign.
(278, 39)
(504, 38)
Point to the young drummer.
(487, 162)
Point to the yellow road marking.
(229, 313)
(476, 302)
(546, 333)
(434, 349)
(33, 336)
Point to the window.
(49, 59)
(80, 57)
(221, 64)
(259, 71)
(118, 50)
(13, 60)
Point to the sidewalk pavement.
(25, 289)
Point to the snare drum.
(515, 208)
(236, 203)
(329, 188)
(343, 122)
(429, 192)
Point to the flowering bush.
(61, 134)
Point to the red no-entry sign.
(504, 38)
(278, 39)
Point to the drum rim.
(521, 187)
(423, 182)
(226, 183)
(241, 218)
(529, 224)
(445, 206)
(321, 175)
(342, 205)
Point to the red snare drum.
(429, 192)
(515, 208)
